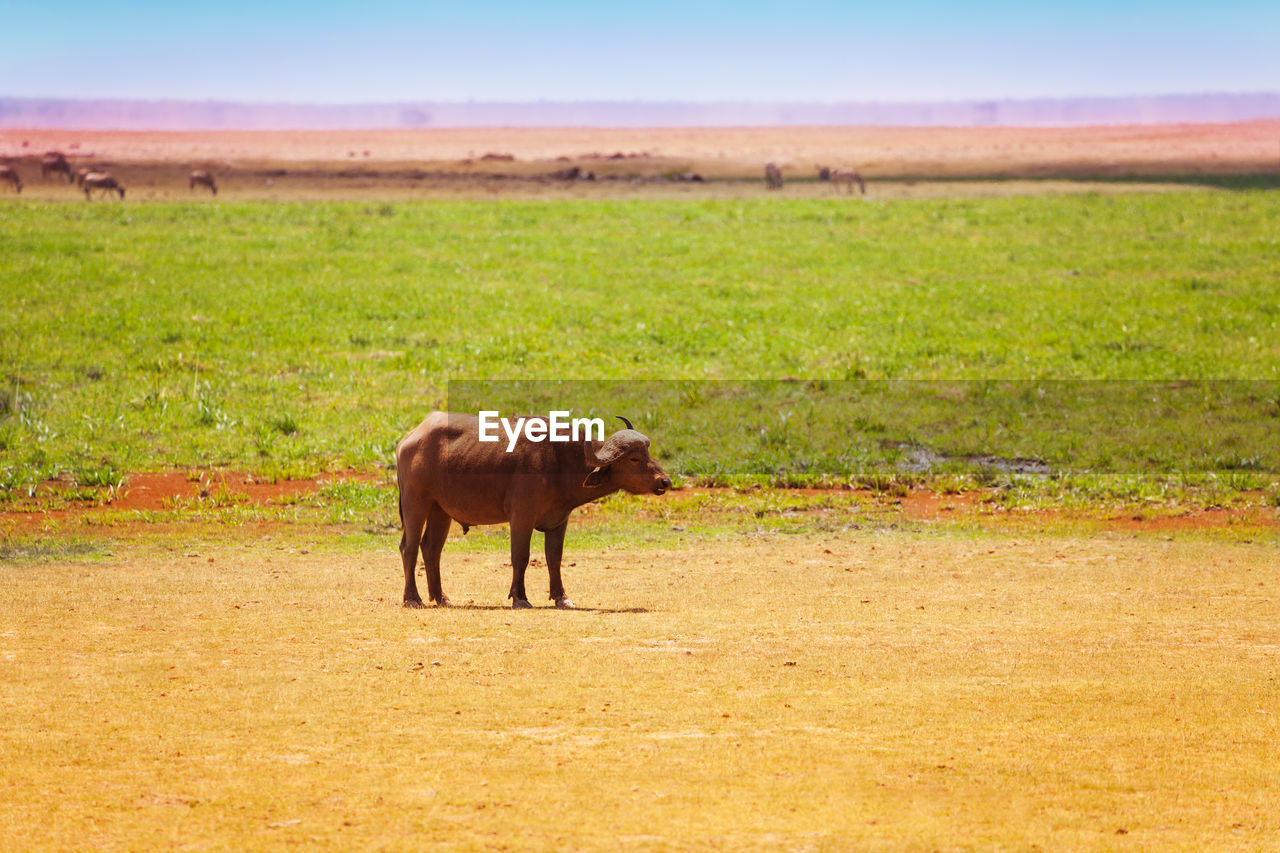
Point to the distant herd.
(837, 177)
(55, 164)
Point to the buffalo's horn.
(614, 446)
(625, 421)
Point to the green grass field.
(291, 338)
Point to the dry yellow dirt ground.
(872, 689)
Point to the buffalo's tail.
(400, 510)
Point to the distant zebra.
(8, 173)
(204, 179)
(103, 181)
(848, 177)
(53, 163)
(772, 177)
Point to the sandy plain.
(863, 689)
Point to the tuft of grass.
(285, 424)
(894, 484)
(351, 501)
(100, 475)
(207, 414)
(357, 494)
(28, 550)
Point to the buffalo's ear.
(595, 478)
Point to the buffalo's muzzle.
(662, 485)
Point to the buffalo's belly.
(550, 521)
(473, 514)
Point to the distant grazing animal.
(445, 474)
(824, 173)
(848, 177)
(103, 181)
(81, 172)
(8, 173)
(772, 177)
(203, 179)
(54, 163)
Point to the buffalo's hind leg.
(438, 523)
(412, 521)
(521, 533)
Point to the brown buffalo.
(848, 177)
(83, 171)
(105, 182)
(8, 173)
(772, 176)
(204, 179)
(445, 473)
(55, 163)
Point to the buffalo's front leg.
(521, 533)
(554, 547)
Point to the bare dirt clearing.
(832, 692)
(402, 164)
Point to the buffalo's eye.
(635, 459)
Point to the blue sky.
(386, 50)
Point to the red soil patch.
(155, 491)
(931, 506)
(174, 490)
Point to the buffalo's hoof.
(565, 604)
(414, 602)
(520, 604)
(444, 602)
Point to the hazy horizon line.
(212, 114)
(1207, 93)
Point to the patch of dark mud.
(917, 459)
